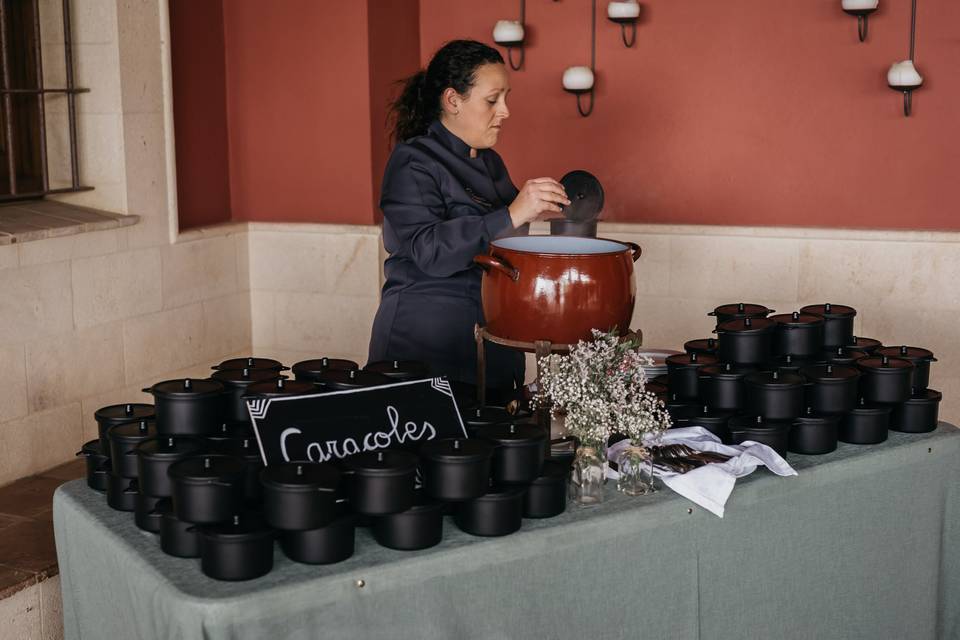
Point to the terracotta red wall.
(739, 112)
(199, 112)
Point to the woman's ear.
(450, 101)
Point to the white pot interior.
(560, 245)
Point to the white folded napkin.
(710, 485)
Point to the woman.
(446, 194)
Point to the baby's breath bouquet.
(599, 390)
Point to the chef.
(446, 194)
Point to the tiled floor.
(27, 551)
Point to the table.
(862, 544)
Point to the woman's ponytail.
(454, 65)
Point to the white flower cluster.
(599, 389)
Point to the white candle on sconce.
(508, 32)
(578, 79)
(859, 5)
(904, 74)
(623, 10)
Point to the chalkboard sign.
(337, 424)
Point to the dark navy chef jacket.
(441, 208)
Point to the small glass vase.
(589, 473)
(635, 466)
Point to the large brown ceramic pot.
(557, 288)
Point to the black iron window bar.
(7, 93)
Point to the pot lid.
(746, 325)
(701, 345)
(683, 411)
(925, 396)
(865, 344)
(843, 355)
(243, 527)
(797, 319)
(231, 430)
(830, 373)
(914, 354)
(133, 431)
(422, 503)
(585, 194)
(502, 493)
(170, 447)
(184, 388)
(207, 468)
(456, 450)
(741, 310)
(755, 424)
(511, 435)
(884, 364)
(793, 363)
(301, 476)
(553, 471)
(773, 379)
(92, 448)
(116, 413)
(244, 377)
(483, 416)
(319, 365)
(712, 414)
(809, 417)
(244, 447)
(865, 408)
(280, 388)
(399, 369)
(385, 462)
(830, 310)
(250, 363)
(726, 370)
(352, 379)
(695, 360)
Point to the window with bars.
(38, 123)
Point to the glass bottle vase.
(589, 473)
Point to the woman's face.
(476, 118)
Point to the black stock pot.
(739, 311)
(118, 414)
(498, 512)
(546, 496)
(97, 463)
(885, 379)
(235, 383)
(798, 334)
(299, 495)
(311, 370)
(814, 434)
(866, 424)
(419, 527)
(381, 482)
(747, 342)
(919, 414)
(519, 451)
(250, 363)
(837, 322)
(188, 407)
(833, 388)
(456, 469)
(774, 395)
(124, 439)
(239, 549)
(333, 542)
(154, 457)
(921, 359)
(207, 488)
(683, 370)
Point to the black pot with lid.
(113, 414)
(774, 395)
(340, 380)
(154, 457)
(712, 419)
(814, 434)
(399, 370)
(702, 346)
(798, 334)
(121, 492)
(298, 496)
(519, 453)
(546, 496)
(833, 389)
(229, 435)
(456, 469)
(837, 322)
(177, 538)
(919, 414)
(145, 513)
(280, 388)
(790, 364)
(248, 450)
(747, 341)
(97, 464)
(773, 433)
(188, 406)
(683, 373)
(867, 345)
(843, 355)
(475, 418)
(498, 512)
(236, 382)
(124, 439)
(680, 408)
(921, 359)
(381, 482)
(419, 527)
(885, 379)
(867, 423)
(250, 362)
(333, 542)
(239, 549)
(310, 370)
(207, 488)
(739, 311)
(721, 386)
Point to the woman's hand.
(538, 196)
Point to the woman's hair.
(454, 65)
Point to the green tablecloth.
(864, 543)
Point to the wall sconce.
(903, 76)
(509, 34)
(861, 9)
(580, 80)
(625, 13)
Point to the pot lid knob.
(246, 373)
(796, 315)
(206, 462)
(711, 342)
(809, 411)
(187, 384)
(249, 362)
(246, 443)
(324, 362)
(885, 361)
(759, 419)
(236, 521)
(776, 374)
(143, 426)
(828, 307)
(353, 374)
(829, 369)
(789, 358)
(727, 367)
(693, 357)
(706, 409)
(170, 442)
(903, 350)
(863, 401)
(840, 351)
(513, 428)
(747, 322)
(740, 307)
(299, 469)
(279, 383)
(456, 445)
(396, 364)
(479, 411)
(673, 396)
(128, 409)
